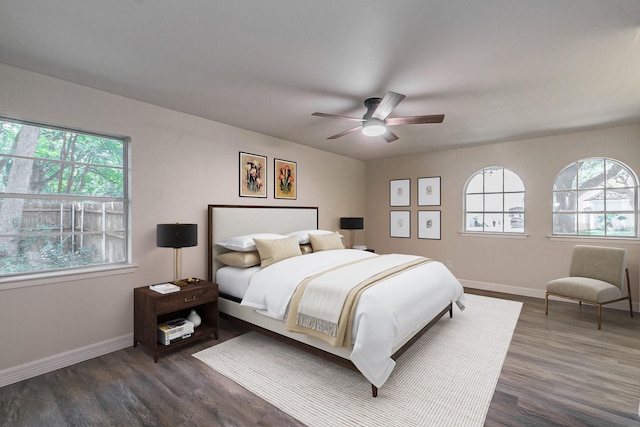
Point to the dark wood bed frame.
(290, 341)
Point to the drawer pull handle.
(193, 298)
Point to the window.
(63, 199)
(494, 202)
(595, 197)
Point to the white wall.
(180, 164)
(521, 266)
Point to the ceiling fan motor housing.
(371, 104)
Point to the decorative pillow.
(303, 235)
(306, 249)
(274, 250)
(240, 259)
(326, 242)
(245, 243)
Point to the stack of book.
(174, 330)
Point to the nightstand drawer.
(186, 298)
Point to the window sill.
(494, 235)
(48, 278)
(589, 238)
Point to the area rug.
(447, 378)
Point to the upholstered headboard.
(225, 221)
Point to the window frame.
(605, 212)
(123, 264)
(505, 213)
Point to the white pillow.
(303, 235)
(245, 243)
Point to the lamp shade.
(352, 223)
(177, 235)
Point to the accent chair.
(596, 276)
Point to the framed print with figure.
(429, 225)
(399, 192)
(285, 179)
(400, 223)
(429, 191)
(253, 175)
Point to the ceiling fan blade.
(335, 116)
(386, 106)
(390, 136)
(415, 120)
(345, 132)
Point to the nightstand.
(151, 308)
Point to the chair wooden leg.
(599, 316)
(629, 293)
(546, 303)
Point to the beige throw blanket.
(323, 305)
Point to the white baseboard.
(62, 360)
(536, 293)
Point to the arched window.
(595, 197)
(494, 201)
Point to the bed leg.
(374, 391)
(451, 310)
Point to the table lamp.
(351, 223)
(177, 236)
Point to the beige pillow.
(326, 242)
(306, 249)
(272, 251)
(240, 259)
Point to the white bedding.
(386, 315)
(234, 281)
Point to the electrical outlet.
(449, 263)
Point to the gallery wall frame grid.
(429, 225)
(400, 192)
(400, 224)
(429, 191)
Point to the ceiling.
(499, 70)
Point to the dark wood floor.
(560, 370)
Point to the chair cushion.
(585, 289)
(601, 263)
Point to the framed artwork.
(253, 175)
(285, 179)
(429, 225)
(399, 192)
(400, 223)
(429, 191)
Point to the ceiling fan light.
(373, 127)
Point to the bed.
(385, 318)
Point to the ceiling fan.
(375, 121)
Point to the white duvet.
(387, 314)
